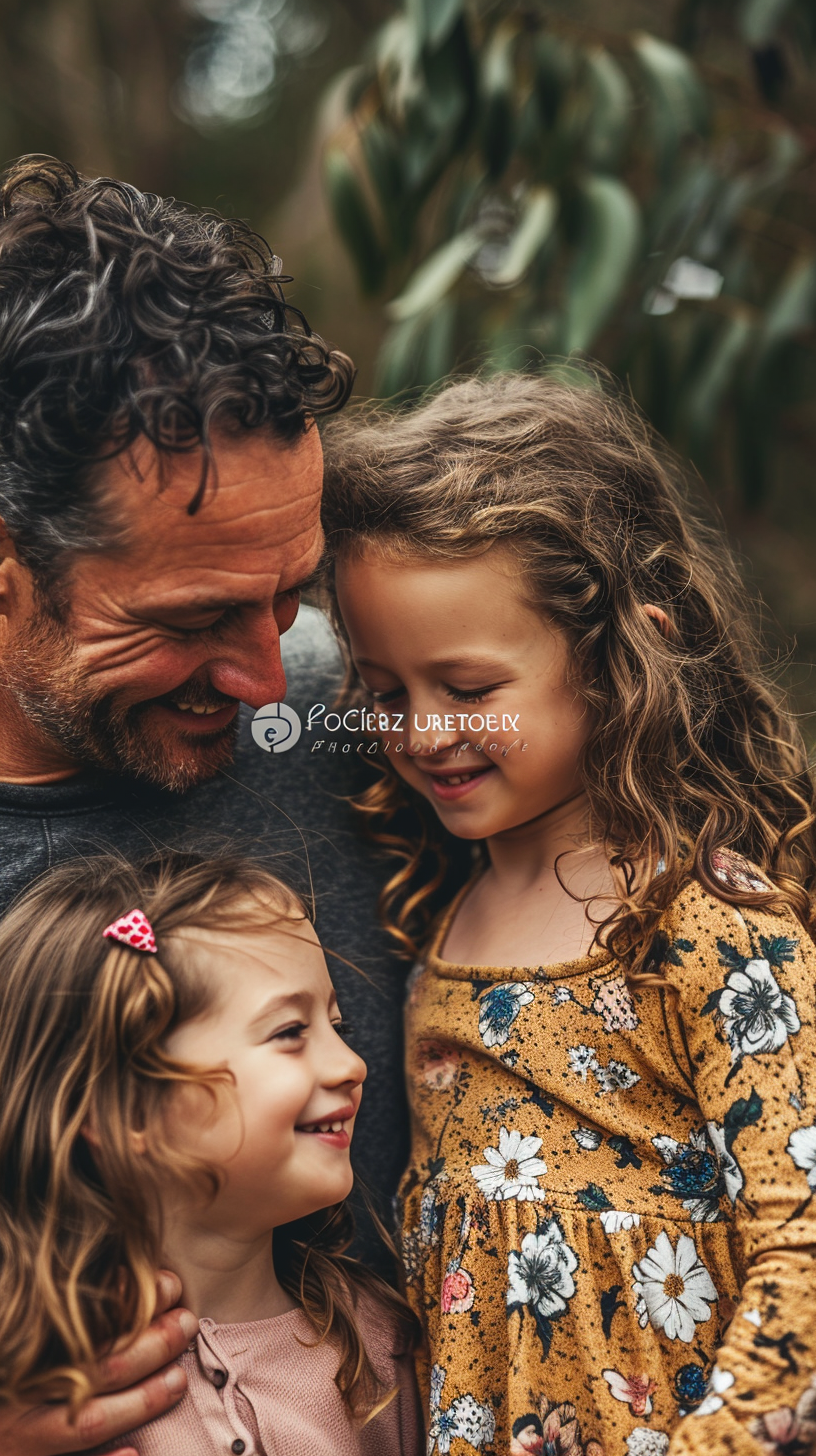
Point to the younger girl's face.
(281, 1136)
(484, 721)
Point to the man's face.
(164, 635)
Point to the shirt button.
(238, 1446)
(219, 1378)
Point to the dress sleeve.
(744, 1016)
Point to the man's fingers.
(168, 1290)
(164, 1340)
(46, 1430)
(107, 1416)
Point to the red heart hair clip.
(133, 929)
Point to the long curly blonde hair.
(692, 750)
(83, 1022)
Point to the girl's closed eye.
(294, 1033)
(471, 695)
(388, 697)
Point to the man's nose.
(249, 664)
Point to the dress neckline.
(454, 971)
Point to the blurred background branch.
(463, 183)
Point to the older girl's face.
(483, 719)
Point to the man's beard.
(49, 688)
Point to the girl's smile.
(440, 640)
(280, 1134)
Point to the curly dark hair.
(126, 314)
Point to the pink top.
(255, 1391)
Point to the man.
(160, 475)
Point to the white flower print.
(615, 1076)
(643, 1442)
(583, 1060)
(674, 1288)
(512, 1170)
(561, 995)
(540, 1274)
(802, 1148)
(718, 1382)
(615, 1221)
(587, 1137)
(464, 1418)
(758, 1014)
(730, 1169)
(499, 1008)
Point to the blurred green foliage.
(517, 184)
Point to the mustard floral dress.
(609, 1223)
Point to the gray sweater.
(287, 809)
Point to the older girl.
(609, 1230)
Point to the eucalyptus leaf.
(384, 160)
(703, 398)
(792, 306)
(678, 104)
(611, 110)
(434, 19)
(758, 20)
(606, 250)
(436, 276)
(416, 351)
(394, 370)
(532, 231)
(498, 83)
(353, 219)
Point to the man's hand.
(135, 1384)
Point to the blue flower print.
(693, 1174)
(499, 1008)
(691, 1384)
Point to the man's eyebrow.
(224, 604)
(282, 1001)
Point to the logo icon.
(276, 728)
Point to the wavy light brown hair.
(83, 1021)
(692, 749)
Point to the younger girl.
(174, 1090)
(609, 1229)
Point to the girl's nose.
(345, 1065)
(427, 731)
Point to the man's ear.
(661, 621)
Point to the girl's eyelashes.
(343, 1028)
(389, 697)
(292, 1033)
(459, 695)
(471, 695)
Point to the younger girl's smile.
(281, 1132)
